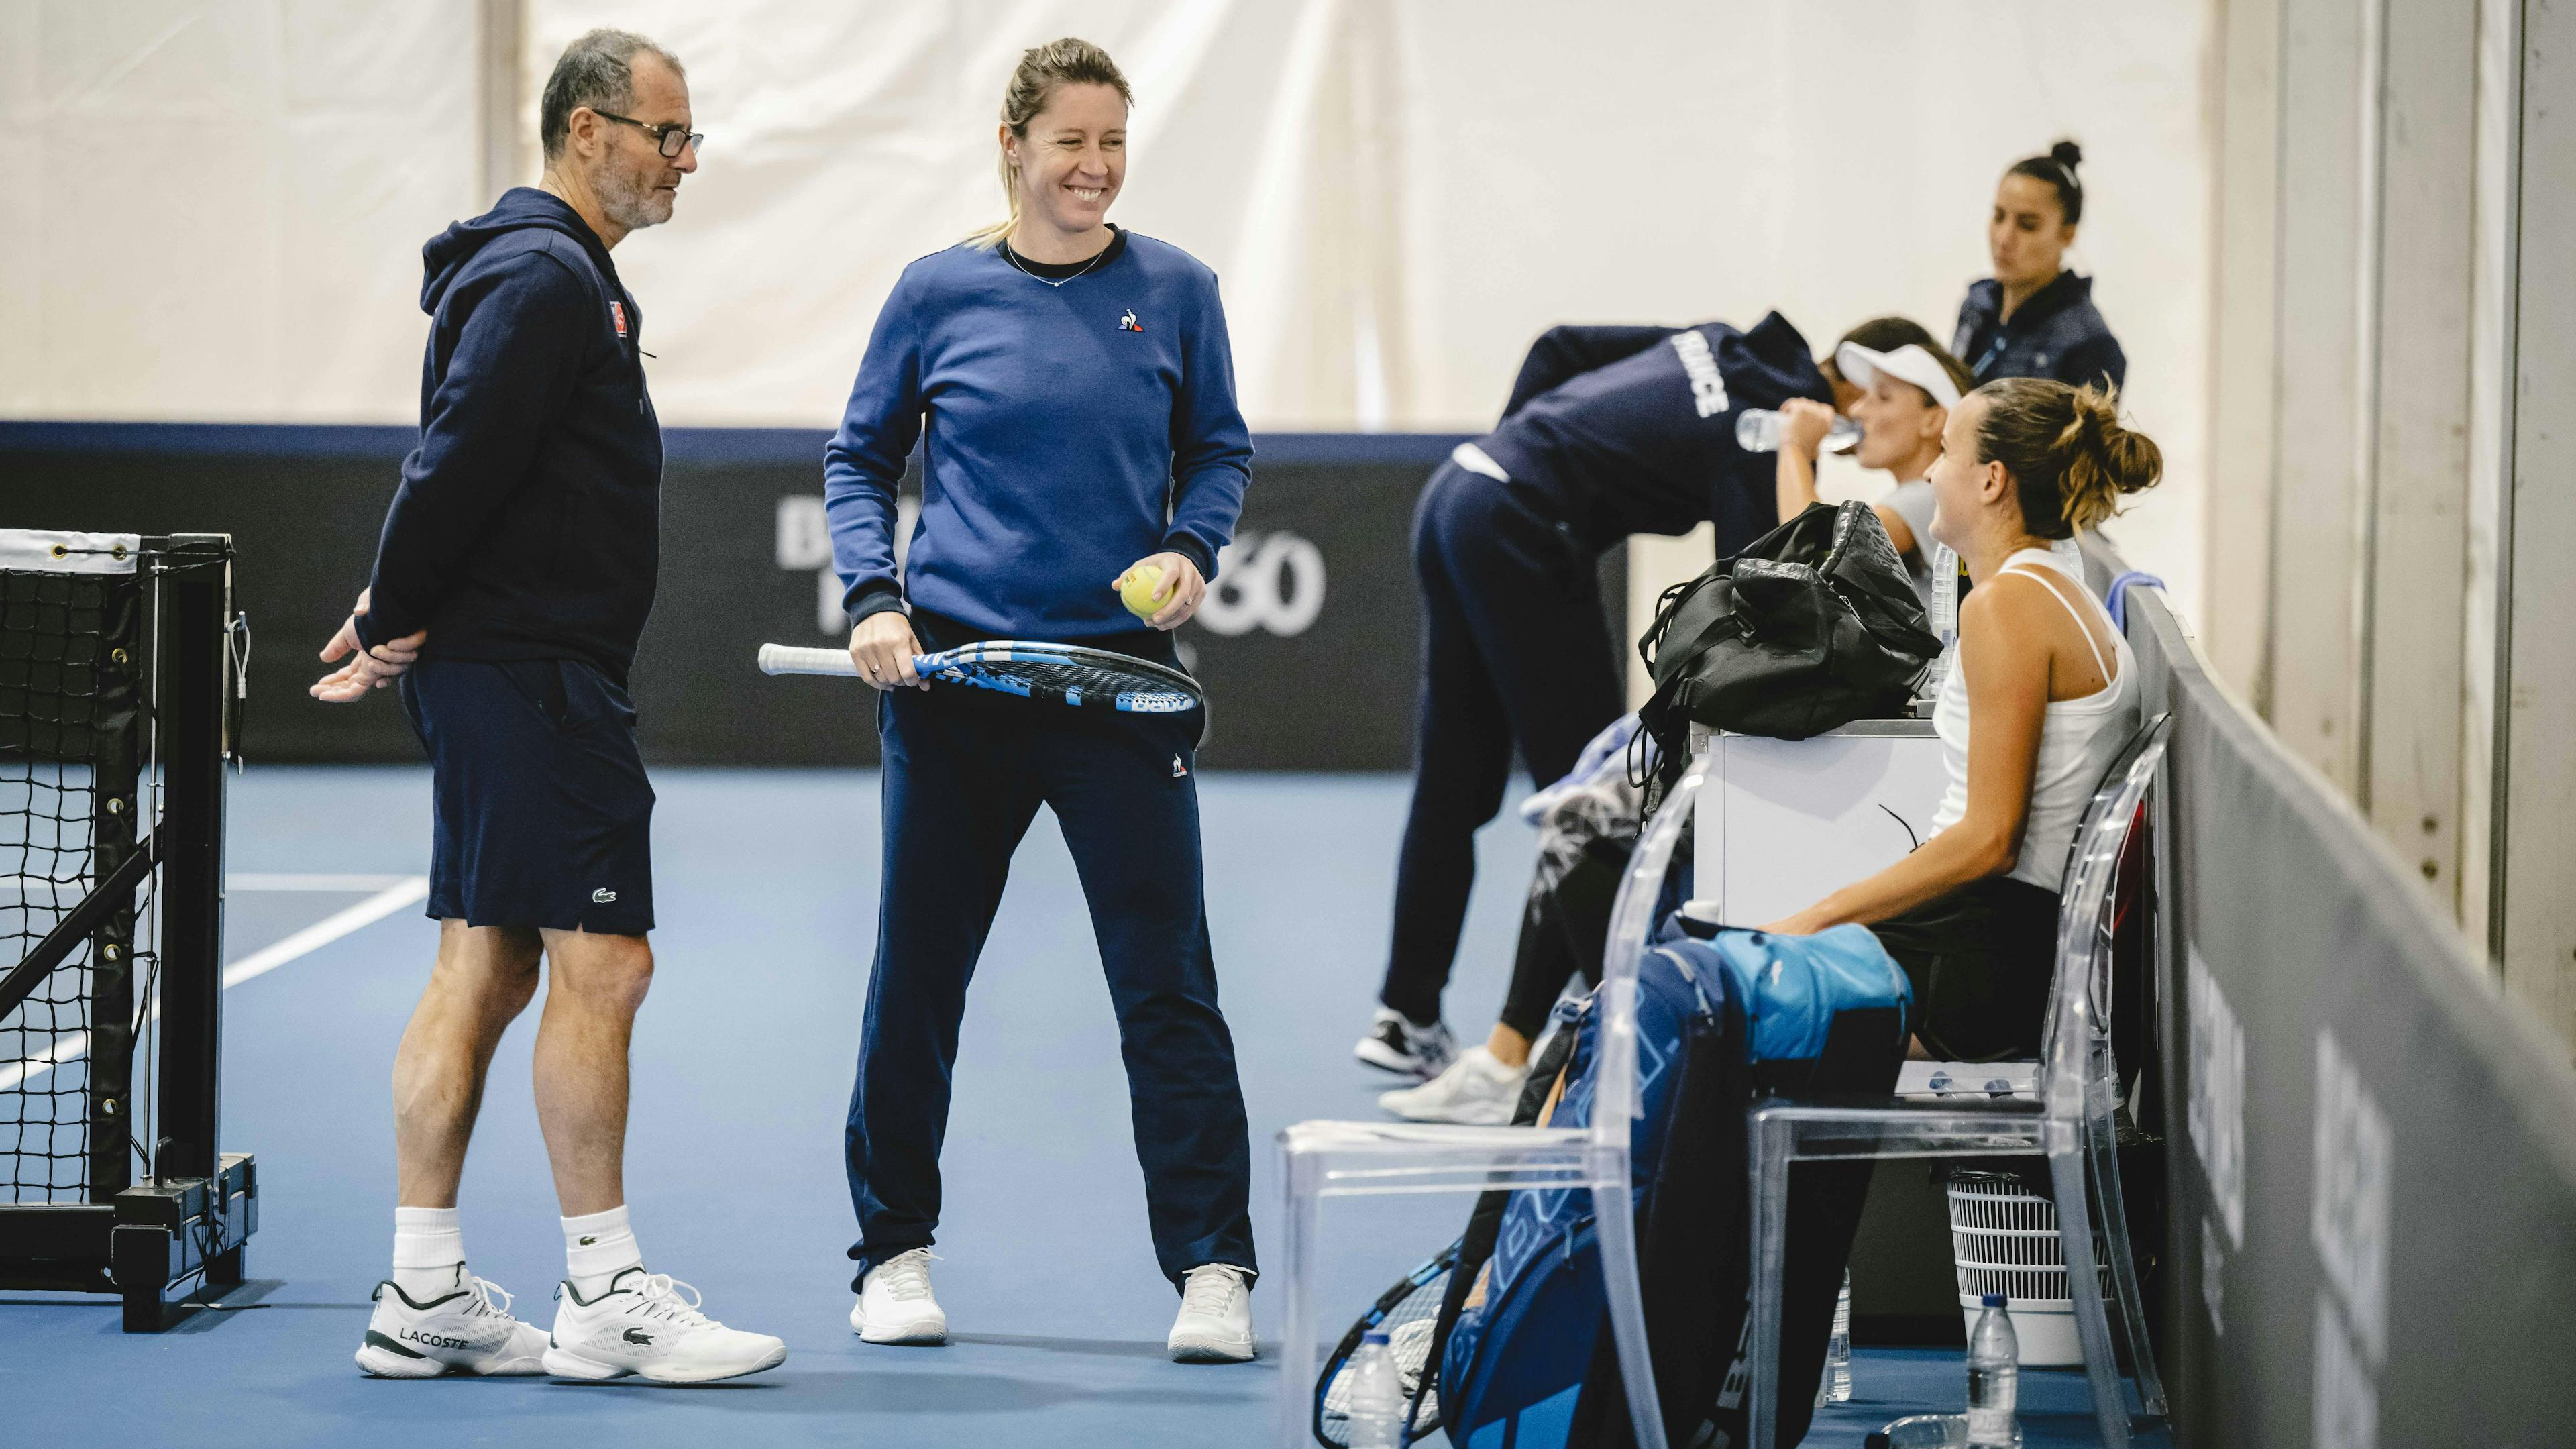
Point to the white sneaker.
(895, 1305)
(644, 1325)
(1215, 1325)
(1476, 1091)
(1394, 1044)
(467, 1331)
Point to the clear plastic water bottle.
(1377, 1396)
(1921, 1431)
(1836, 1389)
(1994, 1378)
(1757, 430)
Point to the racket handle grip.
(790, 659)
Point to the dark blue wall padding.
(2372, 1153)
(304, 505)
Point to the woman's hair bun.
(2070, 457)
(2067, 154)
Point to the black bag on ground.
(1813, 626)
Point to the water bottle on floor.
(1377, 1396)
(1994, 1379)
(1835, 1387)
(1757, 430)
(1921, 1431)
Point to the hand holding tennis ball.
(1164, 589)
(1141, 589)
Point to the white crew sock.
(429, 1252)
(598, 1247)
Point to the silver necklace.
(1013, 258)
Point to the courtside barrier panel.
(2372, 1155)
(1310, 645)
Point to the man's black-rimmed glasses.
(671, 139)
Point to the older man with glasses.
(511, 584)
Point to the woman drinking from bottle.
(1901, 397)
(1074, 391)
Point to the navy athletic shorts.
(543, 815)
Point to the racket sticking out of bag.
(1408, 1314)
(1065, 674)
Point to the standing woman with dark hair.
(2034, 318)
(1076, 389)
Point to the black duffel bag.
(1813, 626)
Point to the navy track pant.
(964, 774)
(1515, 653)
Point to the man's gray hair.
(598, 71)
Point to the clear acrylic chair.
(2069, 1118)
(1320, 1160)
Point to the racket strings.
(1054, 677)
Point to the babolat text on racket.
(1066, 674)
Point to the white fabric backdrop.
(215, 211)
(224, 202)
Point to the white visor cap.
(1910, 363)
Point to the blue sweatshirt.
(528, 523)
(1070, 432)
(1622, 430)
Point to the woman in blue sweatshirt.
(1073, 390)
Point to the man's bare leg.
(596, 985)
(484, 978)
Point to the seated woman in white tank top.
(2042, 696)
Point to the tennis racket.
(1066, 674)
(1408, 1314)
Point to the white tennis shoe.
(1476, 1091)
(1215, 1323)
(466, 1331)
(895, 1305)
(648, 1325)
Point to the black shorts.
(543, 815)
(1980, 959)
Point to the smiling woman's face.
(1073, 159)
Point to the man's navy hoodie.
(528, 524)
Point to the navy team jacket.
(1621, 430)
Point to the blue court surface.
(766, 885)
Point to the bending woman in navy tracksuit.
(1077, 390)
(1610, 431)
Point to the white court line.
(275, 881)
(409, 890)
(237, 881)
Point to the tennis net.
(71, 746)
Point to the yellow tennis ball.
(1137, 591)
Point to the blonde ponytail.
(1034, 82)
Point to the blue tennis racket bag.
(1525, 1355)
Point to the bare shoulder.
(2007, 628)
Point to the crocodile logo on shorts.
(603, 896)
